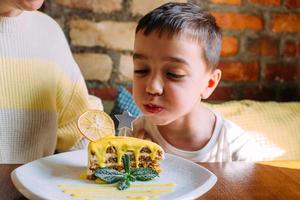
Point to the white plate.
(39, 179)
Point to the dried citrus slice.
(95, 124)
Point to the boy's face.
(170, 77)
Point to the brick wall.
(260, 53)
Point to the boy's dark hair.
(190, 20)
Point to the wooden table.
(7, 189)
(236, 180)
(240, 180)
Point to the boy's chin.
(158, 121)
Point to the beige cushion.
(274, 125)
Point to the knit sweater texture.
(42, 91)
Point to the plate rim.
(197, 192)
(23, 189)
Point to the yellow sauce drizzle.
(82, 175)
(122, 144)
(140, 197)
(109, 191)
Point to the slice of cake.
(108, 152)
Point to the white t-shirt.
(228, 143)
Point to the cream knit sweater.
(42, 91)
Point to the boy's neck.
(191, 133)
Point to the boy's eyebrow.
(169, 58)
(176, 59)
(139, 56)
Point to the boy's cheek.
(137, 91)
(137, 99)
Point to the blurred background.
(260, 53)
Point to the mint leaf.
(112, 176)
(126, 163)
(124, 184)
(144, 174)
(109, 175)
(131, 178)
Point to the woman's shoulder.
(43, 16)
(44, 22)
(51, 33)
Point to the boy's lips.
(152, 108)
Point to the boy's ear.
(212, 83)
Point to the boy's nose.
(154, 86)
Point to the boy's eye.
(174, 75)
(141, 72)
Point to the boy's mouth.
(152, 108)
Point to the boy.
(176, 53)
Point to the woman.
(42, 91)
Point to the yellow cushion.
(273, 124)
(292, 164)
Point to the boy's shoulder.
(232, 128)
(229, 130)
(242, 145)
(225, 125)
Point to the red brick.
(292, 3)
(282, 72)
(105, 93)
(238, 21)
(264, 46)
(230, 46)
(84, 5)
(222, 93)
(267, 2)
(291, 48)
(237, 71)
(99, 6)
(260, 93)
(285, 22)
(232, 2)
